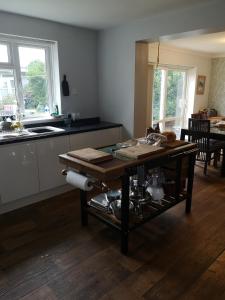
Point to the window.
(29, 79)
(169, 93)
(4, 53)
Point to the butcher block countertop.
(116, 167)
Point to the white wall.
(77, 57)
(185, 58)
(117, 53)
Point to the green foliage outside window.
(156, 94)
(35, 91)
(174, 93)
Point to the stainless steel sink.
(40, 130)
(44, 129)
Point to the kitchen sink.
(40, 130)
(29, 132)
(44, 129)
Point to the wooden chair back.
(196, 128)
(199, 125)
(200, 116)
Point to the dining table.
(215, 133)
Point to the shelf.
(151, 211)
(106, 218)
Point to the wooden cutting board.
(139, 151)
(90, 155)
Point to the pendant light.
(157, 61)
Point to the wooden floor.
(45, 254)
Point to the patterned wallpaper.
(217, 85)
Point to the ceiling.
(96, 14)
(212, 44)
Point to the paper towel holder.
(64, 172)
(101, 185)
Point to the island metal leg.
(191, 162)
(125, 213)
(83, 206)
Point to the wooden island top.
(116, 167)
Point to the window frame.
(2, 42)
(163, 95)
(52, 69)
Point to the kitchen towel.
(79, 181)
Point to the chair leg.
(205, 167)
(207, 161)
(219, 155)
(216, 158)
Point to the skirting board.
(34, 198)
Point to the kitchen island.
(182, 159)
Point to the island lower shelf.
(152, 210)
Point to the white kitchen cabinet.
(48, 162)
(18, 171)
(29, 168)
(95, 139)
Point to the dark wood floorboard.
(46, 254)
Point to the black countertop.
(84, 125)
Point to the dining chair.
(208, 149)
(199, 116)
(204, 125)
(199, 125)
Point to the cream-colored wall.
(189, 59)
(217, 86)
(141, 89)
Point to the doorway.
(169, 97)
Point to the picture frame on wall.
(200, 88)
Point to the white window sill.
(41, 120)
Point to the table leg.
(192, 158)
(182, 135)
(83, 206)
(178, 178)
(223, 164)
(125, 214)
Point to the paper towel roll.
(79, 181)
